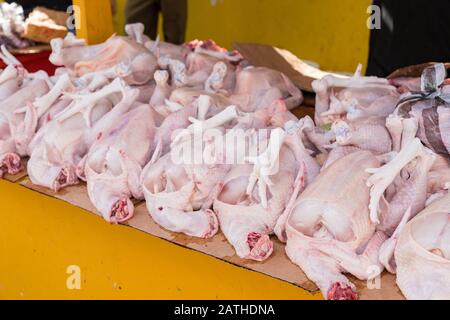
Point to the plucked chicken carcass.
(423, 254)
(331, 231)
(113, 166)
(259, 87)
(114, 163)
(196, 184)
(41, 111)
(255, 88)
(58, 147)
(15, 123)
(353, 98)
(328, 215)
(138, 62)
(178, 191)
(35, 101)
(254, 196)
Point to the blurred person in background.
(147, 12)
(412, 32)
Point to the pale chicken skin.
(329, 216)
(80, 59)
(58, 147)
(369, 134)
(353, 98)
(114, 164)
(14, 123)
(258, 87)
(254, 197)
(179, 193)
(423, 254)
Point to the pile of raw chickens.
(12, 26)
(361, 188)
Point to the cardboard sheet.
(300, 73)
(277, 266)
(413, 71)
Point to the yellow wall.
(330, 32)
(40, 237)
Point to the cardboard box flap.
(300, 73)
(413, 71)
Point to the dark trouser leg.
(175, 20)
(146, 12)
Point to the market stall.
(328, 177)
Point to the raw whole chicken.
(179, 193)
(423, 254)
(353, 98)
(330, 231)
(113, 166)
(58, 147)
(196, 184)
(258, 87)
(39, 112)
(138, 62)
(114, 163)
(253, 197)
(14, 124)
(328, 215)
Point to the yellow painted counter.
(41, 237)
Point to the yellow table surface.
(41, 237)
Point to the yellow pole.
(95, 20)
